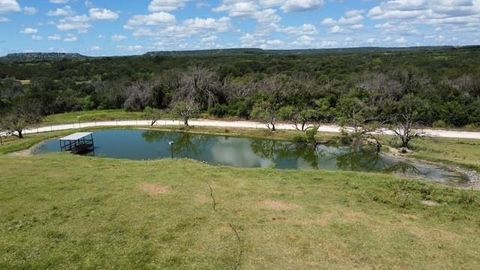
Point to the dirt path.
(235, 124)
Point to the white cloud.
(210, 39)
(252, 41)
(117, 38)
(81, 23)
(130, 48)
(336, 29)
(238, 8)
(4, 20)
(36, 37)
(166, 5)
(304, 41)
(207, 24)
(70, 38)
(75, 23)
(303, 30)
(433, 12)
(7, 6)
(102, 14)
(54, 37)
(301, 5)
(352, 19)
(59, 1)
(30, 10)
(61, 12)
(158, 18)
(329, 22)
(29, 31)
(258, 9)
(95, 48)
(401, 40)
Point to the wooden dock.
(78, 143)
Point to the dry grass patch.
(430, 203)
(201, 199)
(154, 189)
(278, 205)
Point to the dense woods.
(439, 87)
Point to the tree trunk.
(273, 126)
(185, 121)
(405, 142)
(20, 134)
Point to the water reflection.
(185, 145)
(250, 153)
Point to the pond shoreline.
(472, 175)
(427, 165)
(428, 132)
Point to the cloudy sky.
(101, 27)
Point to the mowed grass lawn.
(67, 212)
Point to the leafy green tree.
(272, 95)
(185, 110)
(300, 116)
(266, 112)
(153, 114)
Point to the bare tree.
(202, 85)
(22, 114)
(139, 96)
(407, 112)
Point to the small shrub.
(472, 127)
(440, 124)
(311, 133)
(466, 198)
(218, 111)
(345, 138)
(299, 139)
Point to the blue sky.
(101, 27)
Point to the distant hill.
(30, 57)
(249, 51)
(207, 52)
(53, 56)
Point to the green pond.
(253, 153)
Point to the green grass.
(66, 212)
(91, 116)
(453, 151)
(14, 144)
(63, 212)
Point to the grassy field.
(13, 144)
(452, 151)
(65, 212)
(91, 116)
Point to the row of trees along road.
(399, 100)
(368, 106)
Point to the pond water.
(251, 153)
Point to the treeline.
(442, 86)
